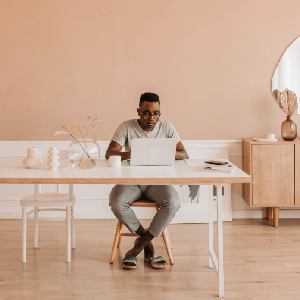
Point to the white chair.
(49, 202)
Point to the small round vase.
(84, 153)
(288, 129)
(32, 161)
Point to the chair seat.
(144, 203)
(49, 200)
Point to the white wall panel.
(92, 200)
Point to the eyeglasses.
(147, 115)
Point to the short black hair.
(149, 97)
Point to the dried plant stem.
(93, 162)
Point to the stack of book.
(228, 168)
(219, 166)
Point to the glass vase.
(84, 153)
(288, 129)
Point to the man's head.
(149, 97)
(149, 111)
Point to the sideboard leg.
(269, 213)
(275, 216)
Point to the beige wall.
(211, 62)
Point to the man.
(147, 126)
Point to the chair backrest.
(63, 159)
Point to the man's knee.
(172, 202)
(116, 200)
(175, 203)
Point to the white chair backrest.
(63, 157)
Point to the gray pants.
(165, 196)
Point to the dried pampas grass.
(287, 101)
(76, 130)
(94, 126)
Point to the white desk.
(12, 171)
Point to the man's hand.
(116, 149)
(180, 152)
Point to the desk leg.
(220, 240)
(211, 227)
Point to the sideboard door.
(273, 175)
(297, 174)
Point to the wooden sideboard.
(274, 168)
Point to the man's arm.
(115, 149)
(180, 152)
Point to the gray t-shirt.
(131, 129)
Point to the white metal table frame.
(12, 173)
(213, 259)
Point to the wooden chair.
(49, 202)
(120, 226)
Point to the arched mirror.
(287, 72)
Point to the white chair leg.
(37, 190)
(68, 221)
(36, 227)
(24, 221)
(73, 228)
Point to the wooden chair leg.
(120, 238)
(116, 241)
(167, 244)
(168, 235)
(269, 213)
(275, 216)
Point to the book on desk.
(205, 167)
(229, 168)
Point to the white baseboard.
(241, 210)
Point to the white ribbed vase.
(53, 158)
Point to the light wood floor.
(260, 262)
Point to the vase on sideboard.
(288, 129)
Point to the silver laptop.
(153, 152)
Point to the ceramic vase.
(32, 161)
(288, 129)
(84, 153)
(53, 158)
